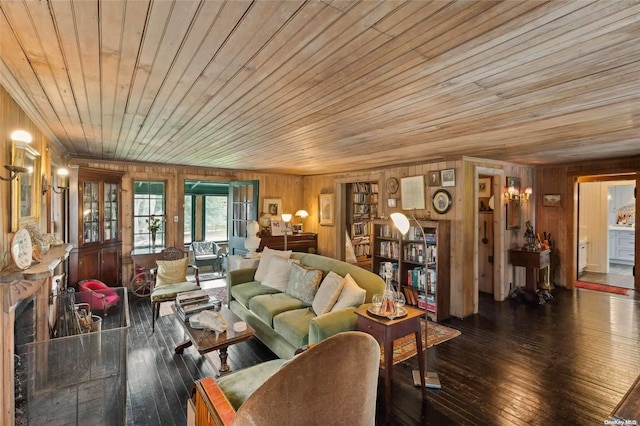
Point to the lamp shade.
(286, 217)
(302, 213)
(401, 222)
(21, 136)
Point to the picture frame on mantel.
(325, 209)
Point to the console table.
(533, 261)
(305, 242)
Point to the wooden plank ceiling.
(311, 87)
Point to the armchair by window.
(334, 382)
(170, 279)
(206, 253)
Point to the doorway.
(606, 231)
(489, 235)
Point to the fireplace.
(33, 286)
(24, 332)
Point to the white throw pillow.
(265, 258)
(278, 273)
(328, 293)
(352, 295)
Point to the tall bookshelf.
(427, 289)
(364, 209)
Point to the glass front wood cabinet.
(95, 201)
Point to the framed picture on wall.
(273, 207)
(412, 192)
(434, 178)
(448, 177)
(484, 187)
(325, 206)
(552, 200)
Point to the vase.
(153, 239)
(388, 306)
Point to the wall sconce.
(21, 137)
(14, 171)
(515, 193)
(56, 189)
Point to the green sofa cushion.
(237, 387)
(246, 291)
(267, 306)
(294, 326)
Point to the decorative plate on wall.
(442, 201)
(21, 249)
(392, 185)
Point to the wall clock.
(442, 201)
(392, 185)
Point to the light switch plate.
(176, 219)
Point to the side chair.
(170, 279)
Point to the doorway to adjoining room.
(606, 232)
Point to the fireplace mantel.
(20, 284)
(17, 285)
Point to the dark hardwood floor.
(567, 362)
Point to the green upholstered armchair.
(170, 279)
(333, 383)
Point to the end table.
(386, 331)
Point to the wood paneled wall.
(462, 216)
(302, 193)
(12, 118)
(287, 187)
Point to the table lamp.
(431, 379)
(301, 214)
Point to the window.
(205, 211)
(148, 204)
(189, 214)
(215, 218)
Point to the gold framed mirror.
(25, 189)
(514, 209)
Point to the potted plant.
(154, 225)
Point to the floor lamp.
(286, 217)
(431, 379)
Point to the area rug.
(602, 287)
(405, 347)
(206, 276)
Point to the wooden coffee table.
(205, 341)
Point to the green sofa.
(296, 322)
